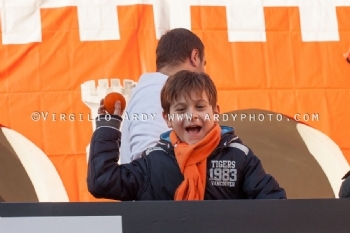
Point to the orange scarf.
(192, 160)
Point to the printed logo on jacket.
(223, 173)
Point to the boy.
(196, 160)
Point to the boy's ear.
(216, 112)
(195, 60)
(217, 109)
(165, 117)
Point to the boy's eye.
(180, 109)
(200, 106)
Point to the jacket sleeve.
(106, 178)
(258, 184)
(144, 134)
(344, 191)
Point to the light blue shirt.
(143, 121)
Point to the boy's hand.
(117, 109)
(101, 109)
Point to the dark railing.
(270, 216)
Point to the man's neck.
(170, 70)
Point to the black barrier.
(285, 216)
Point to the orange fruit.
(110, 99)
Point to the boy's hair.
(175, 46)
(183, 83)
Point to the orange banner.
(304, 80)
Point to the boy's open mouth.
(193, 129)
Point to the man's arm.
(106, 178)
(258, 184)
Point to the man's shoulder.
(147, 89)
(151, 78)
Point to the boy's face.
(191, 118)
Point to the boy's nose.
(194, 116)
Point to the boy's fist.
(114, 104)
(110, 101)
(117, 110)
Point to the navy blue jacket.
(233, 171)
